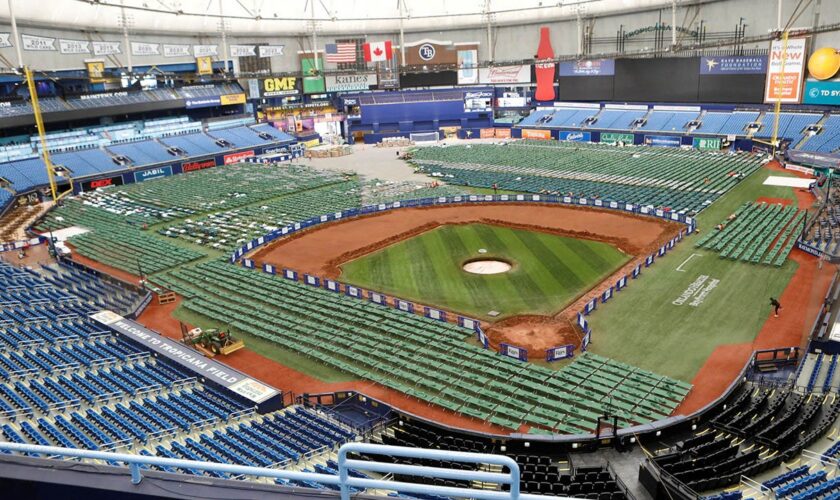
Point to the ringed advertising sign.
(529, 133)
(575, 136)
(192, 166)
(100, 183)
(274, 87)
(237, 157)
(154, 173)
(785, 69)
(504, 74)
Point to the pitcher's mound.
(487, 266)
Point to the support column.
(15, 34)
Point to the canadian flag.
(377, 51)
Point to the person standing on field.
(776, 306)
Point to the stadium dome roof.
(268, 17)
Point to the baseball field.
(547, 271)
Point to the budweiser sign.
(505, 74)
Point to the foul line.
(686, 260)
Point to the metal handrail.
(343, 480)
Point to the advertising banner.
(733, 65)
(594, 67)
(575, 136)
(785, 84)
(467, 67)
(826, 93)
(545, 71)
(487, 133)
(478, 102)
(228, 99)
(278, 86)
(100, 183)
(613, 138)
(154, 173)
(312, 71)
(192, 166)
(667, 141)
(512, 102)
(188, 358)
(501, 75)
(529, 133)
(5, 40)
(503, 133)
(710, 143)
(344, 83)
(237, 157)
(202, 102)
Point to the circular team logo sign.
(427, 52)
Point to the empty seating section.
(24, 175)
(759, 428)
(668, 121)
(117, 217)
(791, 125)
(720, 123)
(818, 373)
(93, 151)
(278, 135)
(86, 162)
(413, 355)
(238, 136)
(617, 119)
(66, 381)
(229, 229)
(143, 152)
(559, 117)
(194, 144)
(828, 140)
(539, 474)
(675, 179)
(760, 233)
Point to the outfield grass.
(548, 272)
(643, 327)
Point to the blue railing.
(344, 481)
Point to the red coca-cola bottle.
(544, 71)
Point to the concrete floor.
(380, 163)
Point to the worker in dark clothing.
(776, 306)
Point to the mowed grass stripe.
(549, 261)
(445, 250)
(513, 290)
(525, 274)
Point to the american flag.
(340, 52)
